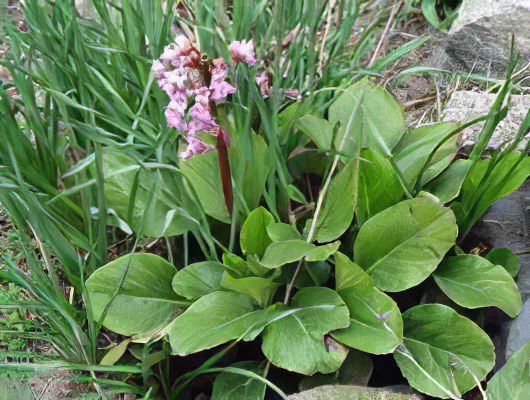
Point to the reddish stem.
(224, 168)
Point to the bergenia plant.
(261, 209)
(317, 287)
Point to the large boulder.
(341, 392)
(465, 105)
(507, 224)
(85, 8)
(479, 39)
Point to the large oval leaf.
(339, 205)
(281, 253)
(199, 279)
(296, 340)
(379, 187)
(203, 173)
(505, 258)
(402, 245)
(443, 354)
(260, 288)
(513, 380)
(159, 188)
(254, 238)
(376, 326)
(416, 146)
(380, 117)
(145, 300)
(212, 320)
(473, 282)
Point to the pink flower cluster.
(194, 85)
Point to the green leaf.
(482, 187)
(428, 8)
(202, 171)
(145, 300)
(230, 386)
(447, 186)
(322, 253)
(513, 380)
(505, 258)
(199, 279)
(444, 354)
(115, 353)
(415, 147)
(260, 288)
(236, 265)
(281, 253)
(356, 370)
(376, 326)
(281, 232)
(254, 238)
(319, 130)
(212, 320)
(473, 282)
(348, 274)
(296, 341)
(379, 188)
(380, 117)
(339, 205)
(296, 195)
(314, 274)
(402, 245)
(122, 174)
(257, 168)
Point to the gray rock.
(519, 331)
(466, 105)
(507, 224)
(85, 8)
(479, 39)
(338, 392)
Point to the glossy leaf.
(122, 175)
(380, 117)
(379, 188)
(115, 353)
(259, 288)
(254, 238)
(473, 282)
(401, 246)
(356, 370)
(322, 253)
(348, 274)
(281, 253)
(212, 320)
(447, 186)
(199, 279)
(339, 204)
(296, 342)
(256, 168)
(512, 381)
(376, 326)
(505, 258)
(317, 129)
(416, 146)
(202, 171)
(145, 300)
(444, 354)
(280, 232)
